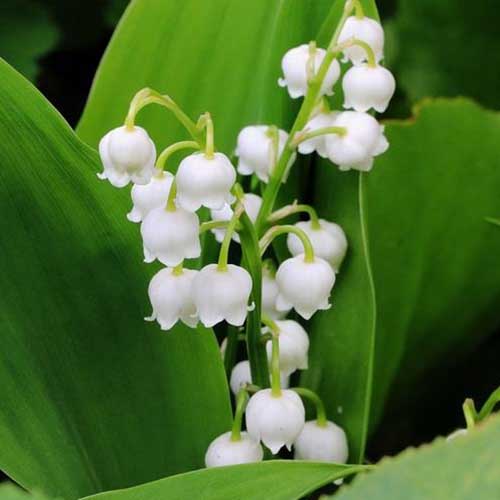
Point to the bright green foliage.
(461, 469)
(419, 219)
(93, 398)
(9, 491)
(275, 480)
(26, 33)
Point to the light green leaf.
(9, 491)
(421, 278)
(93, 398)
(26, 34)
(274, 480)
(461, 469)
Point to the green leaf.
(26, 34)
(274, 480)
(461, 469)
(93, 397)
(9, 491)
(421, 277)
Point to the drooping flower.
(251, 203)
(367, 30)
(318, 144)
(293, 347)
(149, 196)
(224, 451)
(128, 155)
(170, 295)
(222, 294)
(304, 285)
(275, 420)
(256, 152)
(241, 376)
(204, 181)
(323, 443)
(328, 240)
(301, 63)
(364, 139)
(170, 236)
(368, 87)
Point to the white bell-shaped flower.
(203, 181)
(224, 451)
(275, 420)
(367, 30)
(170, 295)
(222, 294)
(170, 236)
(251, 203)
(326, 443)
(256, 152)
(241, 375)
(305, 286)
(149, 196)
(364, 139)
(318, 144)
(127, 155)
(328, 240)
(293, 347)
(295, 64)
(270, 293)
(368, 87)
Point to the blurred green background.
(435, 48)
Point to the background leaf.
(9, 491)
(276, 480)
(93, 398)
(418, 218)
(464, 468)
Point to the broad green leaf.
(9, 491)
(273, 480)
(461, 469)
(422, 278)
(26, 34)
(93, 398)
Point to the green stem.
(305, 136)
(489, 405)
(308, 106)
(231, 349)
(318, 403)
(209, 148)
(173, 148)
(148, 96)
(295, 208)
(241, 402)
(370, 54)
(470, 413)
(275, 365)
(360, 13)
(275, 231)
(492, 220)
(171, 197)
(213, 224)
(224, 249)
(310, 69)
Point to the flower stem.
(305, 136)
(321, 419)
(295, 208)
(173, 148)
(489, 405)
(370, 54)
(224, 249)
(470, 413)
(275, 363)
(148, 96)
(360, 13)
(171, 197)
(275, 231)
(213, 224)
(241, 402)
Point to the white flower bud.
(127, 155)
(222, 295)
(317, 144)
(241, 375)
(171, 298)
(255, 151)
(363, 140)
(367, 30)
(270, 293)
(149, 196)
(321, 443)
(223, 451)
(251, 203)
(305, 286)
(456, 434)
(368, 87)
(170, 236)
(329, 241)
(275, 420)
(203, 181)
(293, 347)
(295, 65)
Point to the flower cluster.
(167, 206)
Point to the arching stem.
(173, 148)
(276, 231)
(321, 419)
(295, 208)
(241, 402)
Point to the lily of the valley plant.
(167, 206)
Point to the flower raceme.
(166, 207)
